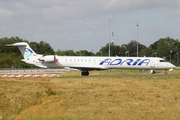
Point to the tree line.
(10, 57)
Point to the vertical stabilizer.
(29, 55)
(25, 49)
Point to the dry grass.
(72, 97)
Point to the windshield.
(163, 61)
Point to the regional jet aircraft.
(88, 63)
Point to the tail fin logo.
(28, 53)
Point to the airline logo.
(129, 62)
(28, 53)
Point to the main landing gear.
(84, 73)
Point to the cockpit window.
(163, 61)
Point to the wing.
(86, 68)
(41, 66)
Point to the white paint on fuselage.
(112, 62)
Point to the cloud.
(78, 20)
(57, 10)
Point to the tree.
(167, 47)
(114, 50)
(65, 52)
(145, 52)
(123, 51)
(45, 48)
(84, 53)
(35, 47)
(105, 50)
(131, 47)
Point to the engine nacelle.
(47, 58)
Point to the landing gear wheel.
(84, 73)
(165, 73)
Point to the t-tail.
(25, 49)
(28, 54)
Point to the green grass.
(72, 97)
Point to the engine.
(48, 58)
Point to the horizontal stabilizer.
(18, 44)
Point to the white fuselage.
(79, 62)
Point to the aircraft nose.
(173, 66)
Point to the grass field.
(100, 96)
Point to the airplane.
(89, 63)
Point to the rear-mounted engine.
(48, 58)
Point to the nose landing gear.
(165, 72)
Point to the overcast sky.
(84, 24)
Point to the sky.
(88, 24)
